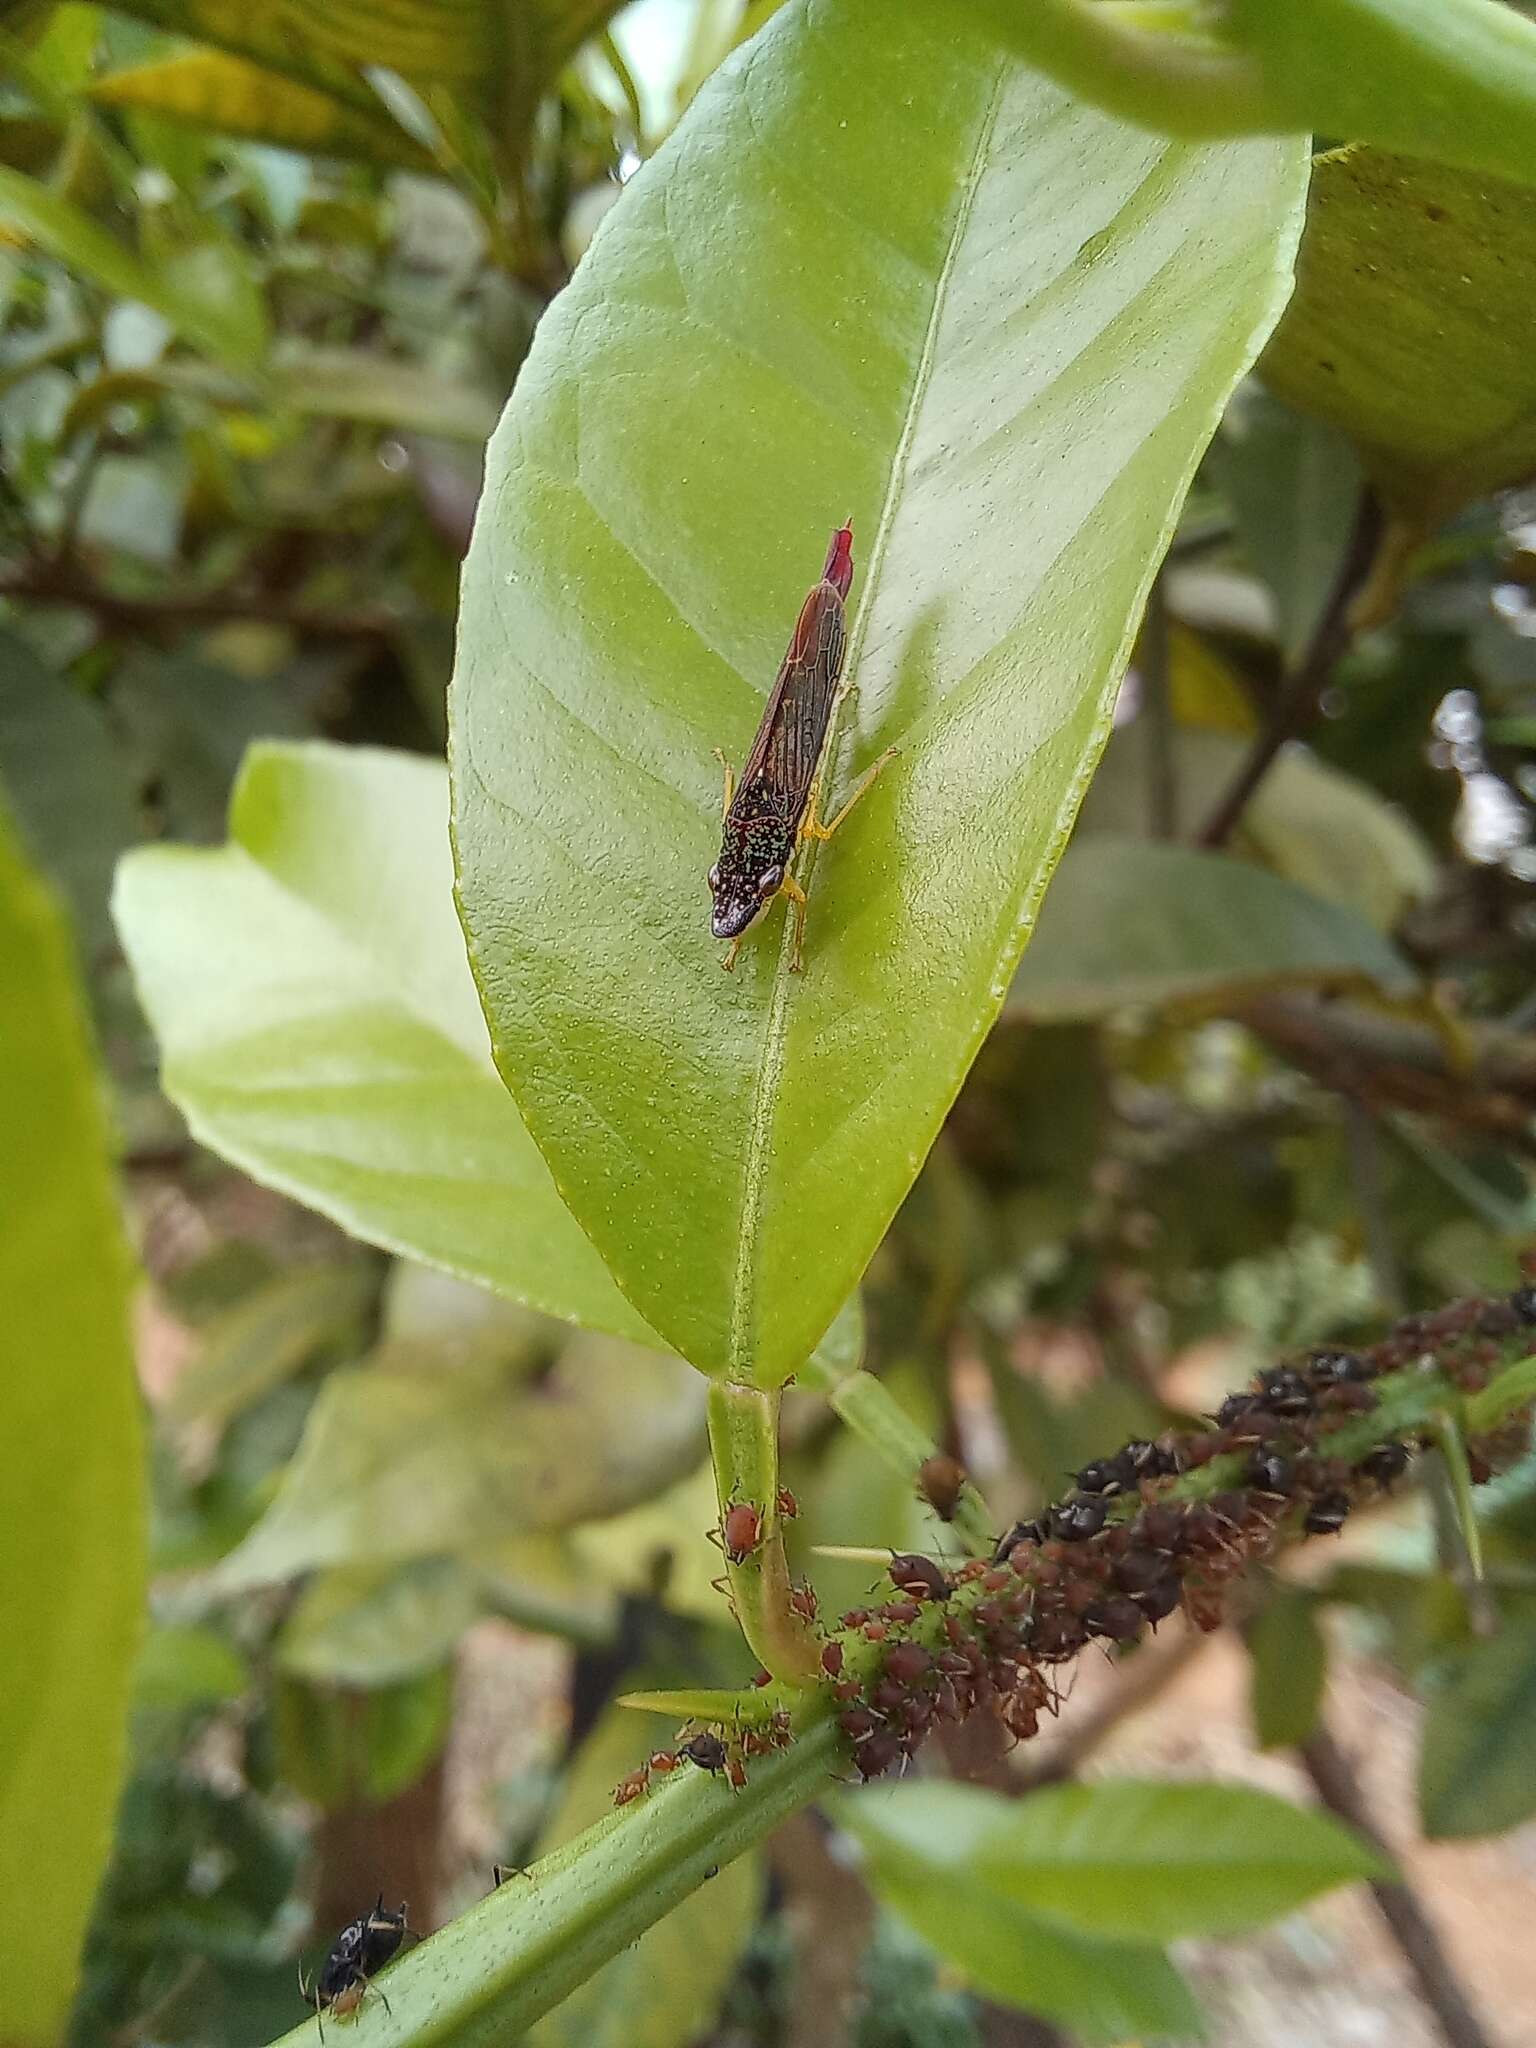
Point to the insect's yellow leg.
(729, 962)
(811, 826)
(730, 781)
(791, 888)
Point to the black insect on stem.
(358, 1953)
(775, 806)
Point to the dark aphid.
(1119, 1617)
(1385, 1464)
(1079, 1518)
(908, 1662)
(705, 1750)
(1160, 1526)
(1333, 1368)
(1235, 1406)
(740, 1531)
(1103, 1476)
(1285, 1392)
(1271, 1473)
(1021, 1532)
(1327, 1514)
(1158, 1600)
(1147, 1460)
(361, 1949)
(939, 1480)
(1523, 1303)
(877, 1754)
(919, 1577)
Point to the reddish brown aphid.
(631, 1787)
(802, 1601)
(939, 1480)
(908, 1662)
(740, 1531)
(899, 1611)
(664, 1760)
(735, 1772)
(832, 1659)
(920, 1578)
(786, 1504)
(874, 1631)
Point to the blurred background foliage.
(267, 276)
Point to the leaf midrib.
(771, 1064)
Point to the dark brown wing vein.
(789, 740)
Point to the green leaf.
(65, 231)
(319, 1027)
(1294, 486)
(665, 1990)
(1103, 1990)
(1514, 1388)
(1477, 1767)
(1134, 1861)
(72, 1564)
(1450, 79)
(1408, 329)
(188, 1667)
(338, 1749)
(433, 1447)
(453, 40)
(1004, 363)
(234, 97)
(373, 1625)
(67, 783)
(1288, 1670)
(1127, 923)
(266, 1337)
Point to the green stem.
(744, 1448)
(509, 1959)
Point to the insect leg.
(811, 826)
(729, 962)
(791, 888)
(730, 781)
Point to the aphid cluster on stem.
(1141, 1533)
(721, 1755)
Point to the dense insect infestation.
(1158, 1526)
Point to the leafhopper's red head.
(838, 570)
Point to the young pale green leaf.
(319, 1027)
(1003, 361)
(1288, 1668)
(1513, 1388)
(1408, 330)
(356, 384)
(1477, 1767)
(67, 232)
(266, 1336)
(234, 97)
(1125, 1860)
(1103, 1989)
(435, 1447)
(1128, 923)
(72, 1563)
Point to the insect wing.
(789, 740)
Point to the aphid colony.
(1138, 1536)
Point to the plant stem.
(744, 1447)
(1297, 701)
(1330, 1772)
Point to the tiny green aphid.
(775, 805)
